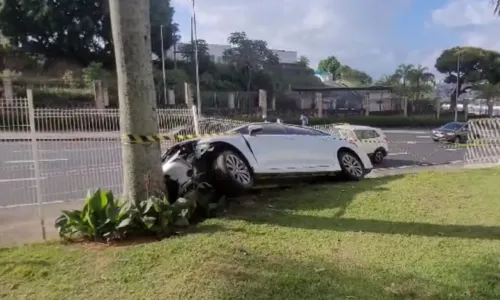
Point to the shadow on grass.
(268, 277)
(280, 211)
(312, 195)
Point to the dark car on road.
(453, 132)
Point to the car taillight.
(385, 138)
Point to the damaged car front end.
(186, 168)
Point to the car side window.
(360, 134)
(242, 130)
(293, 130)
(366, 134)
(272, 129)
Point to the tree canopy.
(75, 30)
(468, 65)
(357, 77)
(329, 65)
(248, 56)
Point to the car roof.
(356, 127)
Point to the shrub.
(105, 218)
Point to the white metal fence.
(49, 156)
(483, 142)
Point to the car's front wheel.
(232, 172)
(352, 167)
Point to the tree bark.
(138, 116)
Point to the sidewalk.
(21, 225)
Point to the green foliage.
(162, 13)
(188, 53)
(105, 218)
(329, 65)
(93, 72)
(85, 26)
(249, 58)
(475, 64)
(372, 120)
(303, 61)
(357, 77)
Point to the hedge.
(377, 121)
(111, 123)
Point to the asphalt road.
(70, 168)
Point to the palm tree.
(421, 79)
(403, 72)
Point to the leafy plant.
(100, 217)
(105, 218)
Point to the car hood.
(444, 130)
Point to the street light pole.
(197, 72)
(457, 92)
(163, 68)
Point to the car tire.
(378, 156)
(352, 167)
(232, 172)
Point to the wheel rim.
(457, 140)
(352, 165)
(238, 169)
(379, 156)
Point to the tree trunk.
(136, 94)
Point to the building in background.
(217, 51)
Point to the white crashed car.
(251, 154)
(371, 140)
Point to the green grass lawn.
(424, 236)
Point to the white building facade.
(217, 51)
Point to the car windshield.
(452, 126)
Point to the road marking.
(20, 179)
(423, 136)
(29, 151)
(68, 150)
(44, 203)
(32, 161)
(411, 142)
(451, 149)
(397, 153)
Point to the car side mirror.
(254, 129)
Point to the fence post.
(195, 120)
(230, 100)
(263, 102)
(99, 99)
(319, 104)
(171, 97)
(438, 107)
(405, 106)
(367, 104)
(36, 160)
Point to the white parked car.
(248, 155)
(371, 140)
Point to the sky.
(371, 35)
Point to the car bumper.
(443, 138)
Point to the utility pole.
(197, 69)
(163, 68)
(457, 92)
(132, 43)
